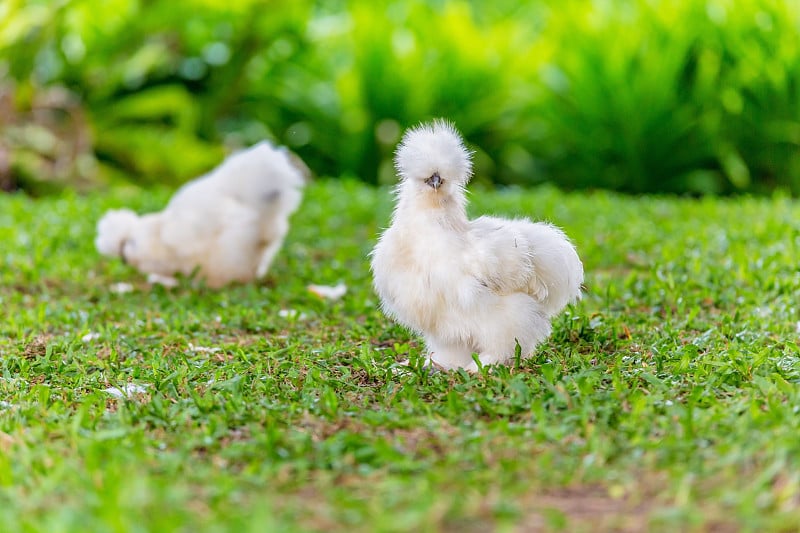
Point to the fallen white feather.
(291, 314)
(127, 390)
(158, 279)
(5, 405)
(330, 292)
(203, 349)
(121, 288)
(89, 337)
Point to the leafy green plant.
(367, 73)
(642, 95)
(154, 77)
(670, 96)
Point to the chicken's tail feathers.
(113, 229)
(558, 271)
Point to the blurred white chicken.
(226, 226)
(466, 286)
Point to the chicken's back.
(556, 265)
(517, 255)
(262, 177)
(232, 221)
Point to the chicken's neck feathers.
(446, 212)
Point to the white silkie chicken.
(467, 286)
(225, 226)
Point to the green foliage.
(672, 96)
(635, 95)
(665, 401)
(155, 77)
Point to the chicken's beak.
(434, 181)
(122, 251)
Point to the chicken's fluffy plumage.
(226, 226)
(466, 286)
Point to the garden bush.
(637, 95)
(671, 96)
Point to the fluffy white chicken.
(467, 286)
(226, 226)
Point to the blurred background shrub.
(684, 96)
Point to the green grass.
(667, 399)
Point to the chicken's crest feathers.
(435, 147)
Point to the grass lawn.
(668, 399)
